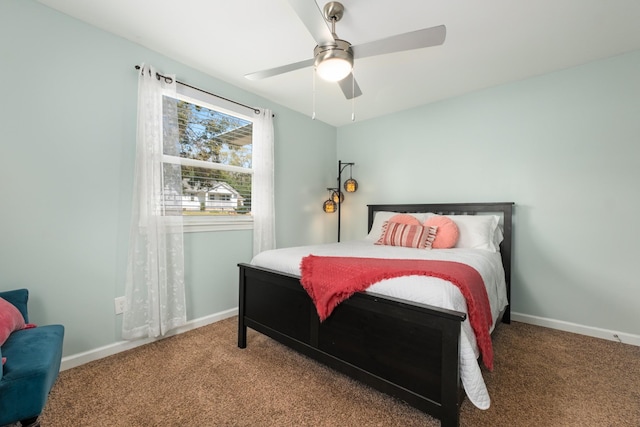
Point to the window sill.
(200, 224)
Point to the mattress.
(421, 289)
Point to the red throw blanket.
(331, 280)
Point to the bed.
(407, 349)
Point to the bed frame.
(407, 350)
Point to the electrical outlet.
(119, 304)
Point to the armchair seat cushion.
(33, 362)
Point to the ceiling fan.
(333, 57)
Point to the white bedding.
(422, 289)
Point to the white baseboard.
(74, 360)
(578, 329)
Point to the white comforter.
(440, 293)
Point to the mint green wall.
(565, 147)
(67, 144)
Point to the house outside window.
(215, 157)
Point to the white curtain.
(154, 289)
(262, 193)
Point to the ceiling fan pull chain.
(313, 96)
(353, 98)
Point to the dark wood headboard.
(504, 209)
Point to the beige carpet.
(542, 377)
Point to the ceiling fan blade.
(426, 37)
(350, 87)
(279, 70)
(313, 18)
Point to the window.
(212, 145)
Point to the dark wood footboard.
(406, 350)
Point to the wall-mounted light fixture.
(337, 196)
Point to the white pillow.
(478, 231)
(498, 237)
(380, 217)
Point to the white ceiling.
(488, 43)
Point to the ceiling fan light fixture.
(334, 69)
(334, 63)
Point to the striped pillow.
(407, 235)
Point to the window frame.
(213, 223)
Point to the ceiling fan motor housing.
(342, 50)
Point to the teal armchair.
(33, 358)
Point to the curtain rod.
(168, 79)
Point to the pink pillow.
(405, 219)
(10, 320)
(407, 235)
(447, 234)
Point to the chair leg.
(31, 422)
